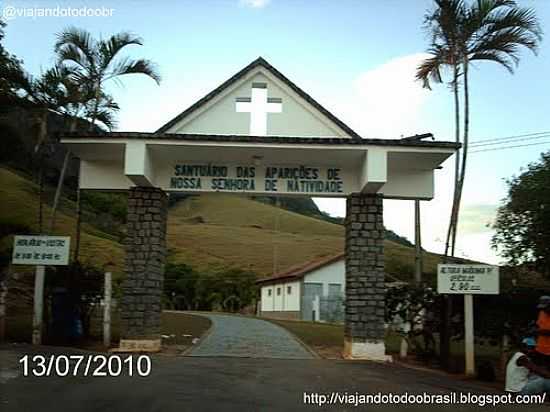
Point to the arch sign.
(259, 133)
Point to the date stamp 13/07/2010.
(85, 365)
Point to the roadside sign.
(41, 250)
(468, 279)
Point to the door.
(311, 291)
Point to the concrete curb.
(202, 338)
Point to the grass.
(324, 338)
(211, 230)
(231, 230)
(328, 341)
(19, 328)
(180, 324)
(236, 231)
(20, 206)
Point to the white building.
(310, 291)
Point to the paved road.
(221, 384)
(244, 337)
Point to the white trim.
(389, 148)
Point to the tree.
(410, 311)
(12, 75)
(97, 61)
(523, 221)
(74, 102)
(442, 24)
(461, 33)
(94, 63)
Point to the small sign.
(41, 250)
(468, 279)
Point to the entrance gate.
(221, 145)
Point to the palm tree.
(442, 25)
(74, 103)
(95, 62)
(461, 33)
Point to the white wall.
(297, 118)
(292, 300)
(333, 273)
(283, 302)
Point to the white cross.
(259, 105)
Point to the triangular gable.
(291, 111)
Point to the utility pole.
(277, 228)
(107, 310)
(417, 244)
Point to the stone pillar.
(145, 258)
(365, 287)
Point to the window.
(334, 289)
(269, 292)
(288, 290)
(278, 291)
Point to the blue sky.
(357, 58)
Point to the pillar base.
(374, 350)
(139, 345)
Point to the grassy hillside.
(19, 206)
(228, 229)
(209, 230)
(219, 229)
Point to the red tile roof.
(299, 271)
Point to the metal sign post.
(469, 352)
(468, 280)
(38, 304)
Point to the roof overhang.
(397, 168)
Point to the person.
(543, 332)
(522, 375)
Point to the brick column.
(145, 257)
(365, 287)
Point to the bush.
(230, 290)
(114, 204)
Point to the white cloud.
(387, 100)
(255, 4)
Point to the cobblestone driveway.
(248, 338)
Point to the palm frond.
(81, 43)
(495, 56)
(429, 70)
(106, 118)
(496, 30)
(71, 54)
(128, 65)
(108, 49)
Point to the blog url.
(453, 398)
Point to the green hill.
(19, 206)
(214, 230)
(219, 229)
